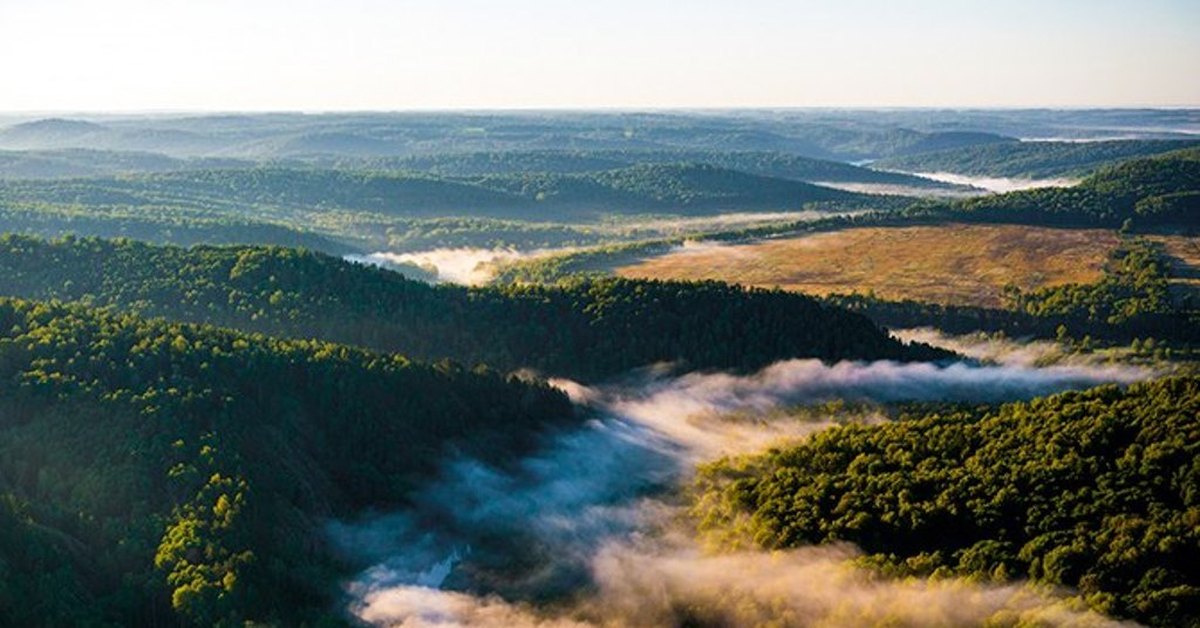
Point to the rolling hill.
(1034, 160)
(682, 188)
(82, 162)
(1096, 491)
(1149, 192)
(768, 164)
(156, 472)
(587, 330)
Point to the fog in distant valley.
(997, 184)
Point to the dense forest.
(677, 188)
(1098, 491)
(1148, 193)
(1134, 286)
(81, 162)
(360, 211)
(164, 225)
(762, 163)
(582, 329)
(1034, 160)
(156, 472)
(683, 188)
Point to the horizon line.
(594, 108)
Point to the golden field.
(953, 264)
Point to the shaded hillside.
(686, 188)
(588, 329)
(248, 188)
(155, 223)
(156, 473)
(780, 165)
(1035, 160)
(678, 187)
(1149, 192)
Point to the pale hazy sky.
(402, 54)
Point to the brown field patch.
(954, 264)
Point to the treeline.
(1134, 286)
(1098, 491)
(155, 474)
(490, 233)
(1146, 193)
(583, 328)
(601, 260)
(673, 188)
(764, 163)
(1131, 301)
(158, 224)
(680, 188)
(1036, 160)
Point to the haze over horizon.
(361, 55)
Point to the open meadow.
(954, 264)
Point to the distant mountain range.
(291, 136)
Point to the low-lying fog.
(997, 184)
(475, 266)
(462, 265)
(591, 529)
(961, 191)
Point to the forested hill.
(686, 188)
(156, 224)
(1036, 160)
(587, 329)
(1097, 491)
(76, 163)
(1163, 190)
(154, 473)
(763, 163)
(248, 188)
(82, 162)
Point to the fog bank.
(466, 266)
(591, 529)
(999, 349)
(997, 184)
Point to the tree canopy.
(154, 472)
(583, 329)
(1097, 490)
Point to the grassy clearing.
(955, 263)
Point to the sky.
(325, 55)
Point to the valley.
(597, 368)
